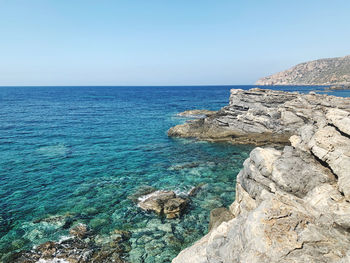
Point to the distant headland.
(328, 71)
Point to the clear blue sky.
(165, 42)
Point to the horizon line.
(190, 85)
(184, 85)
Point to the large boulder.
(163, 203)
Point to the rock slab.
(264, 117)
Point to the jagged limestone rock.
(340, 119)
(292, 204)
(264, 117)
(334, 149)
(280, 222)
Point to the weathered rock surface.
(292, 204)
(163, 203)
(328, 71)
(261, 117)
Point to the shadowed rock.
(218, 216)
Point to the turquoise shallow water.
(83, 151)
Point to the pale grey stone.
(261, 117)
(292, 204)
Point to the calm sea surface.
(82, 151)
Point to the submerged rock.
(292, 204)
(54, 150)
(59, 220)
(196, 189)
(79, 231)
(163, 203)
(182, 166)
(76, 249)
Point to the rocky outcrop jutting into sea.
(292, 204)
(261, 117)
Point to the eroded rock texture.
(292, 204)
(261, 117)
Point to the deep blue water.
(84, 150)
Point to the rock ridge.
(329, 71)
(292, 204)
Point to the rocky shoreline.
(292, 203)
(85, 244)
(82, 245)
(260, 117)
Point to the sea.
(84, 152)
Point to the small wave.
(145, 197)
(64, 238)
(179, 192)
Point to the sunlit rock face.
(261, 117)
(292, 203)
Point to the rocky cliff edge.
(292, 204)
